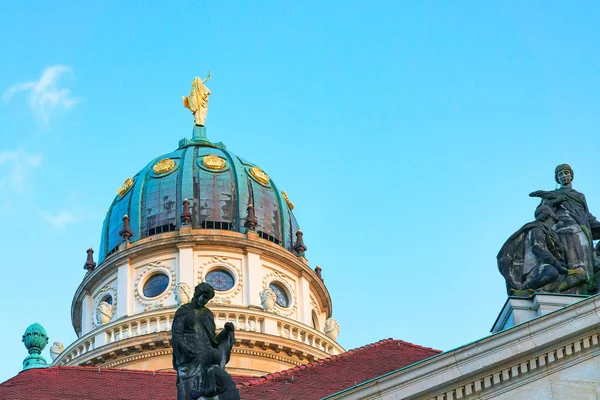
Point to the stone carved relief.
(267, 300)
(183, 293)
(332, 328)
(56, 349)
(104, 313)
(217, 262)
(157, 302)
(101, 297)
(315, 305)
(283, 279)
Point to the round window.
(281, 296)
(108, 299)
(220, 280)
(156, 285)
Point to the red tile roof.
(306, 382)
(327, 376)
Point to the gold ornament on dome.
(213, 161)
(260, 175)
(197, 101)
(125, 187)
(287, 200)
(164, 166)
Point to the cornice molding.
(497, 362)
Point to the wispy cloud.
(61, 219)
(46, 99)
(71, 212)
(16, 166)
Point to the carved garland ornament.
(163, 166)
(214, 162)
(125, 187)
(259, 175)
(217, 262)
(99, 297)
(283, 279)
(154, 303)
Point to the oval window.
(281, 296)
(156, 285)
(220, 280)
(108, 299)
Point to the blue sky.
(407, 134)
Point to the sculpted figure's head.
(545, 213)
(267, 299)
(196, 83)
(182, 293)
(563, 174)
(56, 349)
(104, 313)
(202, 294)
(331, 328)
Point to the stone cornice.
(494, 363)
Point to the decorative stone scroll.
(107, 310)
(280, 277)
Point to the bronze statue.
(199, 354)
(533, 258)
(197, 101)
(555, 253)
(577, 228)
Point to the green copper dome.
(219, 186)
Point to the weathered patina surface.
(555, 253)
(199, 354)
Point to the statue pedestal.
(518, 310)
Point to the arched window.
(315, 321)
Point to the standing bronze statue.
(199, 354)
(556, 252)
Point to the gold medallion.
(260, 175)
(213, 161)
(164, 166)
(287, 200)
(125, 187)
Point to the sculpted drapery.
(199, 354)
(565, 241)
(197, 101)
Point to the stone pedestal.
(518, 310)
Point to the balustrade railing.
(161, 321)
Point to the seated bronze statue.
(199, 354)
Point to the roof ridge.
(418, 346)
(105, 370)
(335, 357)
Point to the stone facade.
(138, 333)
(555, 356)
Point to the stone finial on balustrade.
(251, 220)
(126, 232)
(318, 272)
(299, 246)
(56, 349)
(89, 262)
(186, 215)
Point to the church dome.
(219, 187)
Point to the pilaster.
(86, 313)
(185, 264)
(124, 289)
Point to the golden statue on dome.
(197, 101)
